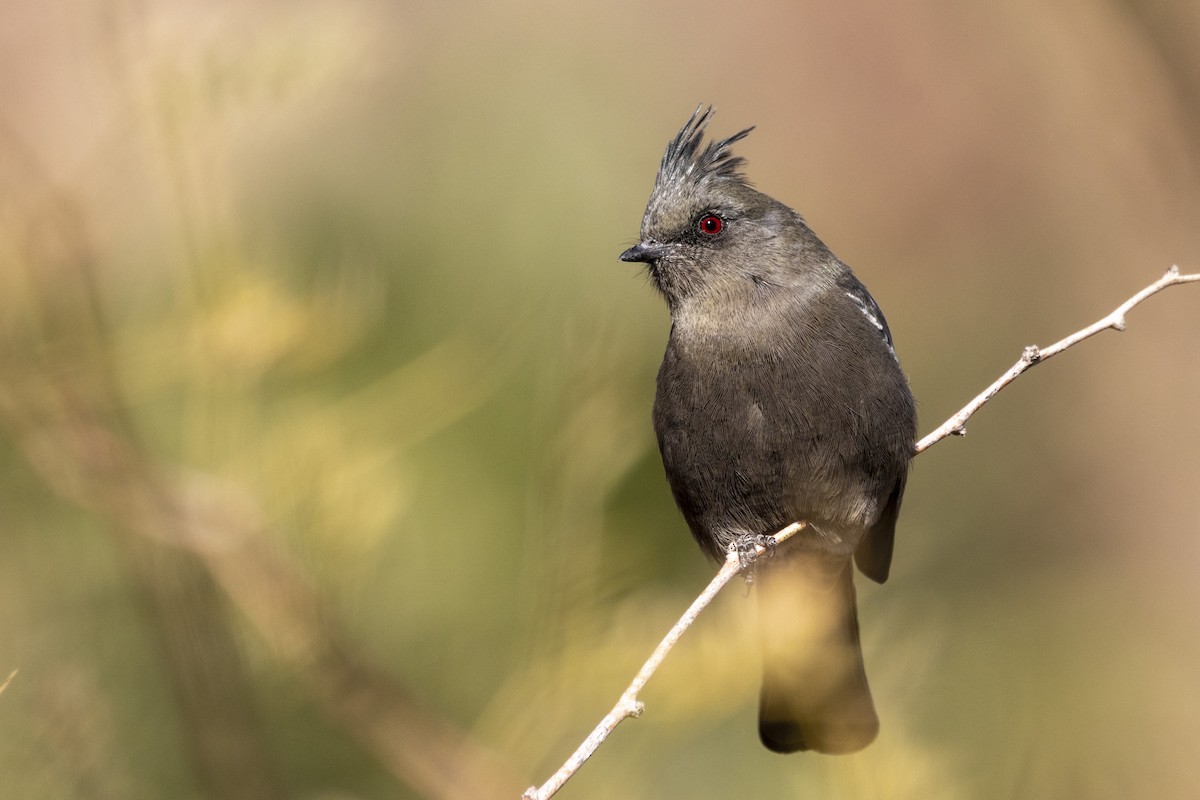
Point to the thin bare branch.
(1033, 355)
(630, 706)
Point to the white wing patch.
(872, 314)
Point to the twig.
(1033, 355)
(630, 706)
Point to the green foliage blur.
(326, 468)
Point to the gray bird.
(780, 398)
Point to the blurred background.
(327, 468)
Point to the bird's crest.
(688, 160)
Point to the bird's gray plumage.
(779, 398)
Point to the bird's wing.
(866, 304)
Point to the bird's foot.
(746, 546)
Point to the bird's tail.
(814, 693)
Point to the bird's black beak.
(645, 252)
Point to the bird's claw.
(746, 546)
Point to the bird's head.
(705, 226)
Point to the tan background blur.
(327, 469)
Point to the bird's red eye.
(710, 224)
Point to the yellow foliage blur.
(326, 456)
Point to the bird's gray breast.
(725, 444)
(757, 432)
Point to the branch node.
(1173, 272)
(628, 706)
(1118, 324)
(1031, 354)
(961, 430)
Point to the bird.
(780, 398)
